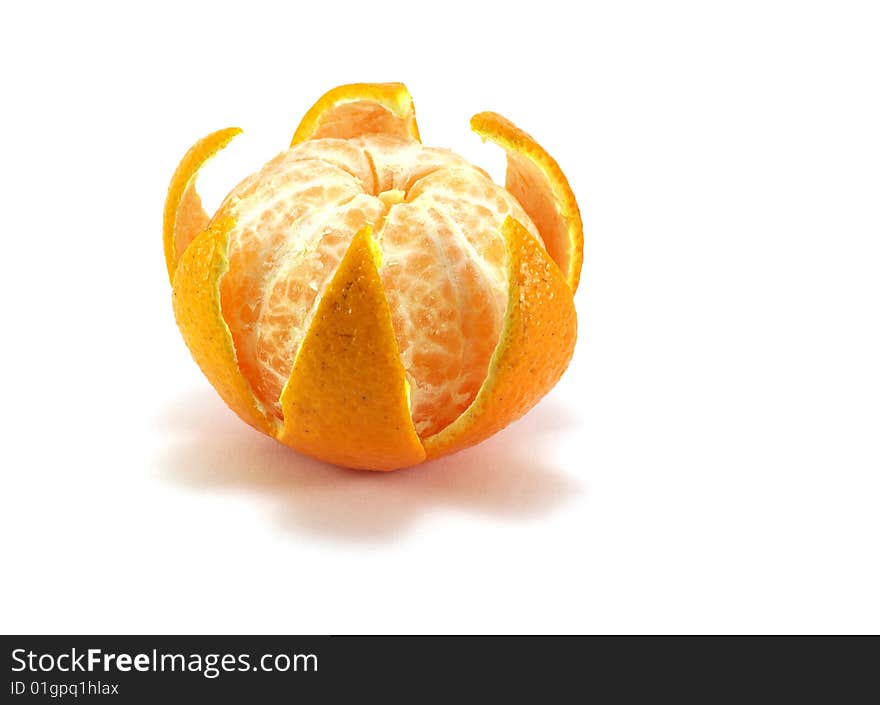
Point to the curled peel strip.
(196, 297)
(184, 216)
(537, 182)
(357, 109)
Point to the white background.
(710, 462)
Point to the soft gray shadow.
(210, 449)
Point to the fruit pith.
(437, 221)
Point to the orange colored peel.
(394, 314)
(358, 109)
(536, 344)
(346, 401)
(534, 177)
(196, 298)
(184, 216)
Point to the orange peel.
(534, 177)
(360, 108)
(196, 300)
(536, 344)
(381, 302)
(332, 410)
(184, 216)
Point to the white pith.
(291, 256)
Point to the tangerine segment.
(535, 346)
(478, 207)
(346, 154)
(534, 177)
(196, 298)
(443, 310)
(184, 217)
(358, 109)
(282, 216)
(347, 401)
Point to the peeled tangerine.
(370, 301)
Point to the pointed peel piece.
(534, 177)
(536, 344)
(184, 216)
(196, 298)
(357, 109)
(346, 401)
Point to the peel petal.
(184, 216)
(534, 177)
(346, 401)
(196, 297)
(536, 344)
(357, 109)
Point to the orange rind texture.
(357, 109)
(196, 298)
(534, 177)
(536, 344)
(184, 216)
(347, 399)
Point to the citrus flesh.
(436, 220)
